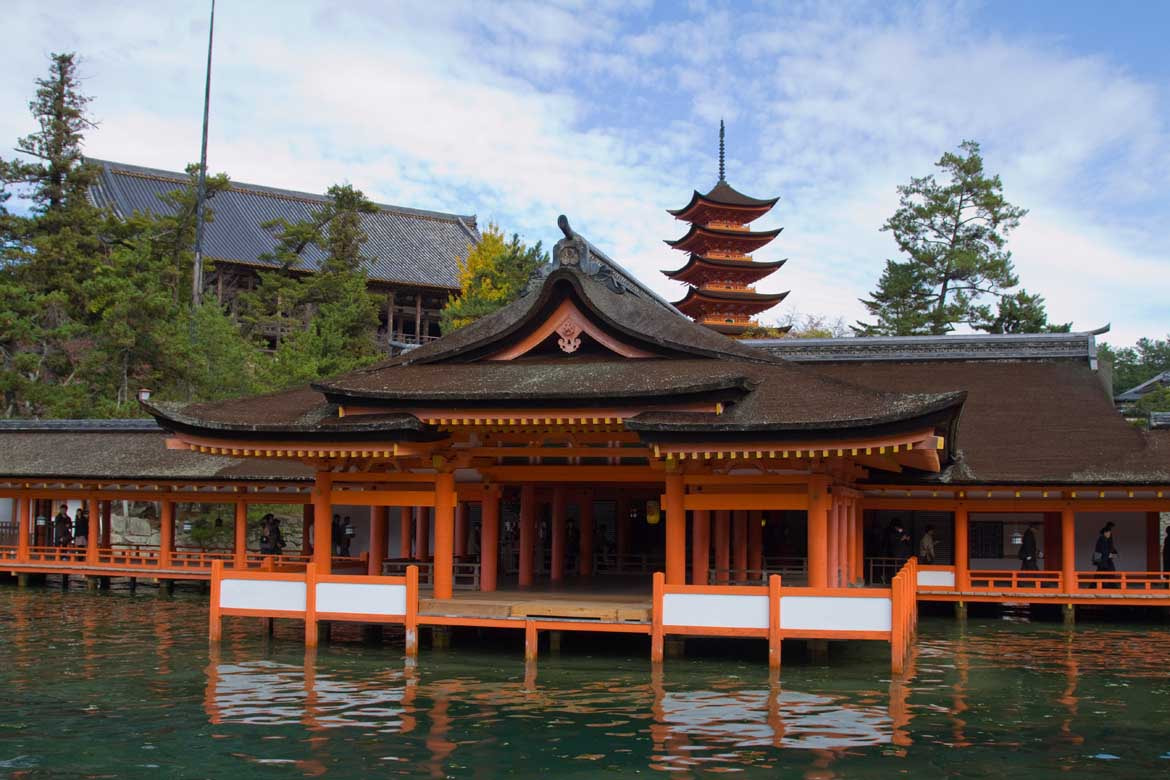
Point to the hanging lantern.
(1017, 537)
(653, 513)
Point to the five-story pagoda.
(720, 270)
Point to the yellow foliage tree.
(492, 275)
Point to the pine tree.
(954, 233)
(493, 274)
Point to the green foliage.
(1134, 365)
(1154, 401)
(954, 233)
(493, 274)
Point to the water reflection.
(119, 685)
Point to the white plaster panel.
(361, 599)
(834, 613)
(714, 610)
(936, 579)
(262, 594)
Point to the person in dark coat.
(62, 527)
(1166, 551)
(903, 546)
(1105, 551)
(1029, 553)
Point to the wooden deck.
(601, 607)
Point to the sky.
(608, 111)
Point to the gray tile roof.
(405, 246)
(977, 346)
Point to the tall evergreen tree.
(954, 233)
(493, 274)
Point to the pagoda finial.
(721, 172)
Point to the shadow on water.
(119, 685)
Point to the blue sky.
(608, 112)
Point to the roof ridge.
(160, 174)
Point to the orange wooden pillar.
(1068, 550)
(405, 529)
(700, 546)
(585, 554)
(166, 533)
(240, 559)
(107, 524)
(722, 546)
(23, 533)
(622, 526)
(527, 534)
(444, 566)
(1153, 551)
(676, 531)
(739, 541)
(819, 506)
(323, 523)
(92, 531)
(755, 561)
(422, 533)
(462, 511)
(379, 533)
(560, 518)
(306, 528)
(962, 551)
(489, 539)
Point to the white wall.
(7, 510)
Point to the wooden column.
(755, 560)
(462, 512)
(622, 526)
(422, 533)
(323, 523)
(527, 533)
(444, 568)
(722, 546)
(676, 531)
(560, 516)
(240, 559)
(1068, 550)
(166, 533)
(489, 540)
(405, 527)
(700, 546)
(741, 544)
(92, 531)
(107, 524)
(585, 516)
(379, 533)
(306, 528)
(23, 514)
(1153, 548)
(962, 553)
(819, 504)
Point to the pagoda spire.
(720, 272)
(722, 177)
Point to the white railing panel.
(262, 594)
(936, 579)
(835, 613)
(710, 610)
(361, 599)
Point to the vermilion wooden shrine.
(588, 459)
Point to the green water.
(113, 685)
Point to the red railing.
(990, 580)
(903, 613)
(1102, 581)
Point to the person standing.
(1029, 551)
(926, 546)
(81, 526)
(61, 527)
(1105, 551)
(1166, 551)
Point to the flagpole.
(201, 195)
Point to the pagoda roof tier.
(580, 344)
(700, 300)
(701, 269)
(703, 240)
(723, 202)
